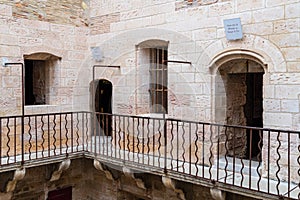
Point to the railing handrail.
(171, 143)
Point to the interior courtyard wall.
(270, 37)
(270, 28)
(23, 35)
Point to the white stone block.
(269, 14)
(220, 9)
(5, 10)
(277, 119)
(291, 106)
(291, 53)
(244, 5)
(287, 91)
(271, 105)
(293, 10)
(286, 26)
(286, 40)
(271, 3)
(205, 34)
(265, 28)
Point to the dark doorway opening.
(35, 82)
(241, 84)
(60, 194)
(253, 112)
(103, 107)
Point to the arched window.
(154, 53)
(38, 78)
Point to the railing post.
(165, 142)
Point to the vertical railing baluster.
(36, 136)
(277, 162)
(8, 140)
(15, 140)
(1, 141)
(105, 135)
(218, 151)
(153, 128)
(30, 137)
(143, 140)
(259, 158)
(49, 140)
(133, 137)
(196, 150)
(124, 136)
(77, 132)
(72, 132)
(171, 143)
(298, 160)
(165, 142)
(67, 131)
(226, 153)
(233, 164)
(210, 151)
(128, 139)
(97, 131)
(242, 161)
(190, 148)
(159, 142)
(289, 163)
(43, 135)
(54, 134)
(82, 129)
(60, 133)
(87, 130)
(203, 149)
(177, 145)
(250, 157)
(137, 138)
(108, 131)
(148, 141)
(269, 156)
(182, 145)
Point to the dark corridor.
(103, 107)
(253, 112)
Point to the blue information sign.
(233, 29)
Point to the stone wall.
(89, 183)
(64, 48)
(195, 33)
(73, 12)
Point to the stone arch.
(256, 47)
(153, 43)
(237, 84)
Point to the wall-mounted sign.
(233, 29)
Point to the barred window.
(158, 80)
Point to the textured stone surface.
(55, 11)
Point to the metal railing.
(255, 159)
(45, 136)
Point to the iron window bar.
(177, 61)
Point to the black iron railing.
(44, 136)
(257, 159)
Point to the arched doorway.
(103, 106)
(239, 92)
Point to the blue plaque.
(233, 29)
